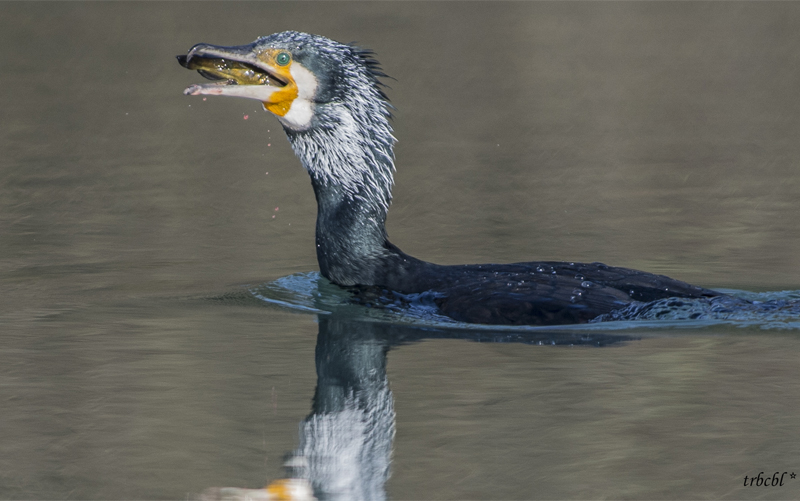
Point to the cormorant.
(328, 97)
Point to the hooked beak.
(240, 71)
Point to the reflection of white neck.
(347, 440)
(349, 451)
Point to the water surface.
(133, 221)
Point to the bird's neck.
(351, 237)
(351, 165)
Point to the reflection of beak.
(289, 489)
(239, 72)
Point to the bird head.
(291, 73)
(328, 97)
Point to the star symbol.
(792, 475)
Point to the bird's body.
(328, 98)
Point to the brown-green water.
(659, 136)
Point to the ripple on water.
(310, 292)
(768, 310)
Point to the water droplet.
(587, 284)
(579, 277)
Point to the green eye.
(282, 58)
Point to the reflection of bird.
(329, 100)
